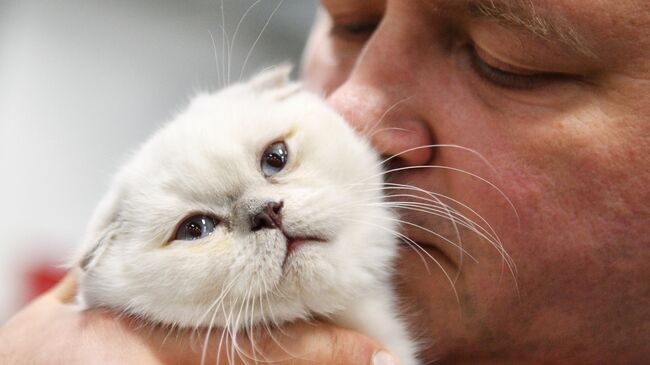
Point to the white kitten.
(256, 193)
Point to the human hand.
(51, 330)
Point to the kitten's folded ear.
(272, 78)
(274, 83)
(103, 228)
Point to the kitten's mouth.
(295, 242)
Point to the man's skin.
(556, 96)
(571, 153)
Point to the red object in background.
(40, 278)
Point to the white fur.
(208, 160)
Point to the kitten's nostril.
(276, 207)
(268, 217)
(261, 220)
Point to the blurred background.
(83, 82)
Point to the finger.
(66, 289)
(297, 343)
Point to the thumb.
(66, 289)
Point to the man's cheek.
(586, 161)
(324, 67)
(563, 144)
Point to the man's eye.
(353, 30)
(510, 79)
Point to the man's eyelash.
(511, 80)
(353, 30)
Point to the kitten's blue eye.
(274, 158)
(196, 227)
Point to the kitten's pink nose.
(268, 217)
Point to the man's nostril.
(410, 141)
(393, 164)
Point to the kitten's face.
(258, 202)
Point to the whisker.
(236, 32)
(215, 303)
(456, 170)
(390, 129)
(265, 324)
(492, 233)
(425, 208)
(172, 329)
(237, 330)
(472, 151)
(388, 110)
(453, 215)
(433, 233)
(506, 258)
(477, 229)
(249, 330)
(204, 352)
(216, 59)
(224, 292)
(223, 333)
(455, 201)
(399, 235)
(251, 327)
(273, 316)
(456, 216)
(451, 282)
(224, 41)
(436, 196)
(250, 51)
(448, 210)
(444, 212)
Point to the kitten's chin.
(245, 313)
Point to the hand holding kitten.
(231, 233)
(66, 336)
(255, 207)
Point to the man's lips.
(428, 251)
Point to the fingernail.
(383, 358)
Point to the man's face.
(555, 95)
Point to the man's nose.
(390, 123)
(379, 99)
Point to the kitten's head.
(256, 203)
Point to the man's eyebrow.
(524, 14)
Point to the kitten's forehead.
(249, 118)
(213, 150)
(220, 138)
